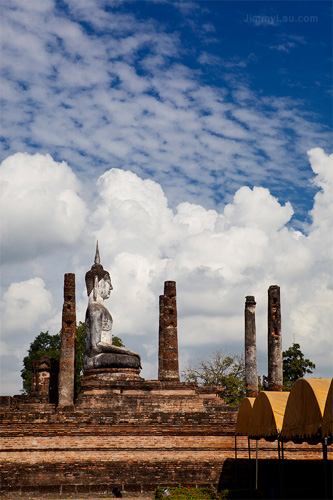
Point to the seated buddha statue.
(100, 353)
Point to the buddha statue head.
(98, 279)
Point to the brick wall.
(137, 449)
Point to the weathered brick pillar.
(251, 363)
(168, 367)
(161, 338)
(41, 370)
(67, 353)
(275, 362)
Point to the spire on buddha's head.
(97, 257)
(96, 270)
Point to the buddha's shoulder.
(96, 308)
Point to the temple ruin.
(124, 431)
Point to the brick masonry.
(275, 361)
(142, 443)
(168, 366)
(67, 352)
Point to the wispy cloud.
(288, 42)
(122, 96)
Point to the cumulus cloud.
(25, 307)
(24, 304)
(322, 165)
(40, 205)
(216, 257)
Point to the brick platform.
(153, 434)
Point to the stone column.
(161, 338)
(67, 352)
(168, 368)
(275, 365)
(251, 364)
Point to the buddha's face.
(104, 288)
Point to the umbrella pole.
(282, 489)
(250, 468)
(325, 466)
(236, 462)
(256, 464)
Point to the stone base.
(101, 385)
(117, 388)
(105, 377)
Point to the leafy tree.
(80, 348)
(295, 366)
(49, 345)
(117, 341)
(220, 369)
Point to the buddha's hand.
(105, 346)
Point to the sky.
(193, 141)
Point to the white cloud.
(40, 206)
(216, 258)
(256, 208)
(322, 165)
(24, 306)
(127, 99)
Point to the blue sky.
(120, 119)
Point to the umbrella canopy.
(244, 414)
(327, 425)
(304, 412)
(267, 415)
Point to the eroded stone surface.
(251, 364)
(168, 368)
(67, 352)
(275, 361)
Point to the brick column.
(161, 338)
(41, 370)
(275, 365)
(168, 368)
(251, 364)
(67, 353)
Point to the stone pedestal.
(101, 385)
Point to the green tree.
(220, 369)
(49, 345)
(295, 366)
(80, 348)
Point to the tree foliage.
(49, 345)
(295, 366)
(223, 370)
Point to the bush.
(188, 493)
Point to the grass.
(188, 493)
